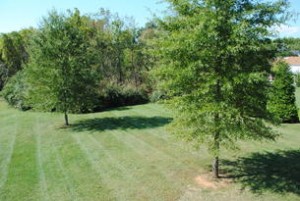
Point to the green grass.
(127, 154)
(298, 97)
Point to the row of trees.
(77, 63)
(210, 59)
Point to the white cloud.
(287, 31)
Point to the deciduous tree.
(215, 56)
(60, 72)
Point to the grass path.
(125, 155)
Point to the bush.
(14, 92)
(115, 96)
(282, 101)
(157, 96)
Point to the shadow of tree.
(277, 172)
(126, 122)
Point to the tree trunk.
(66, 119)
(216, 148)
(215, 167)
(215, 164)
(119, 69)
(66, 108)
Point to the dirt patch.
(202, 181)
(207, 181)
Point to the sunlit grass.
(127, 154)
(298, 97)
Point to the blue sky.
(292, 29)
(18, 14)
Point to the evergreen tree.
(282, 102)
(214, 62)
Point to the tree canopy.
(60, 72)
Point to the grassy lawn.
(127, 154)
(298, 97)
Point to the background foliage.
(282, 101)
(112, 69)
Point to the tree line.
(209, 60)
(287, 46)
(77, 63)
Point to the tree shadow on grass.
(277, 172)
(123, 123)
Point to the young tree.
(282, 102)
(60, 72)
(215, 56)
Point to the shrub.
(157, 96)
(114, 95)
(14, 92)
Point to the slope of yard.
(127, 154)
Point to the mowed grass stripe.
(145, 154)
(160, 142)
(127, 173)
(129, 147)
(123, 154)
(63, 185)
(101, 170)
(152, 167)
(8, 132)
(164, 145)
(7, 143)
(115, 173)
(169, 169)
(22, 181)
(68, 174)
(157, 137)
(110, 170)
(42, 178)
(143, 162)
(44, 148)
